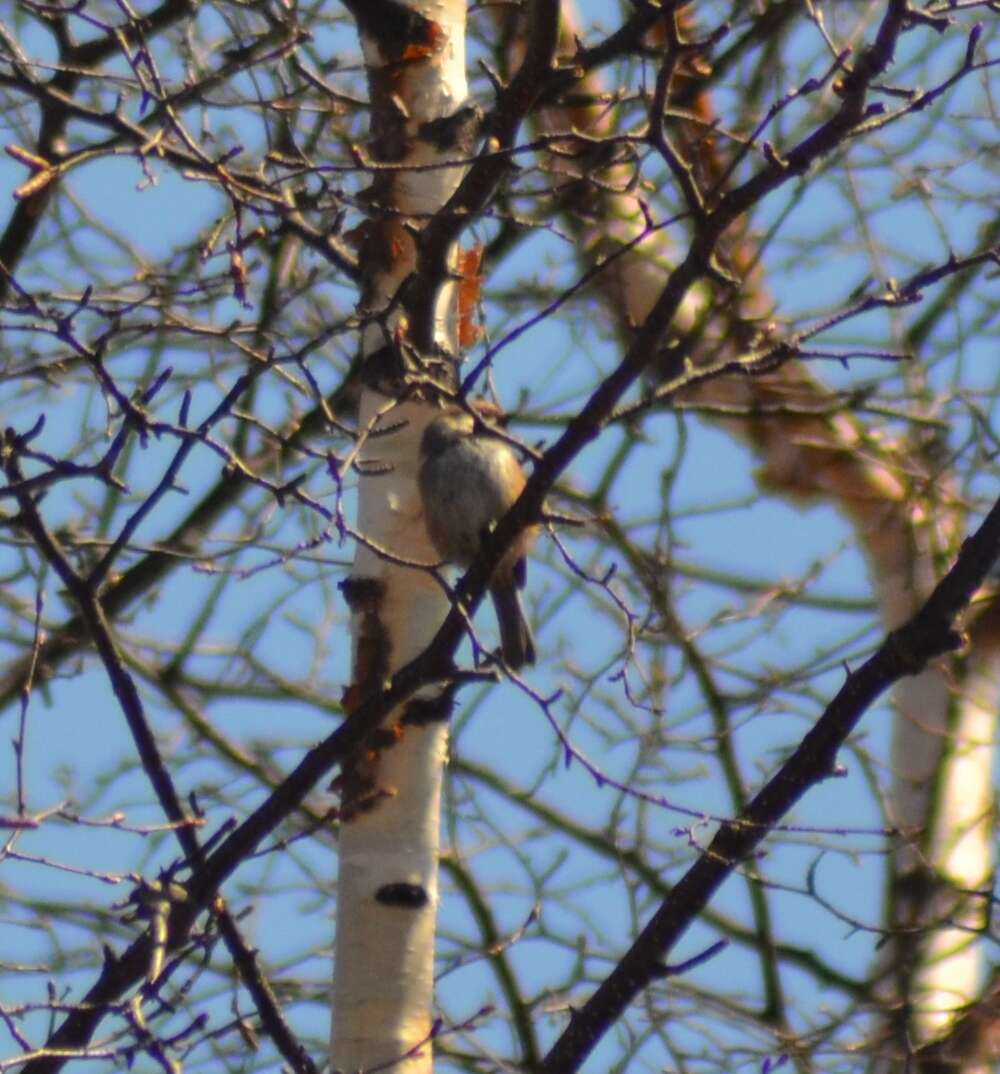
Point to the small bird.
(468, 481)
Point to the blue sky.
(76, 728)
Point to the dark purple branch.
(931, 633)
(482, 179)
(84, 593)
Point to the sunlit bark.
(387, 880)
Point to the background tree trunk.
(387, 890)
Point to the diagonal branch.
(83, 592)
(930, 633)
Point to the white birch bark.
(941, 795)
(387, 880)
(961, 832)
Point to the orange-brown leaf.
(469, 289)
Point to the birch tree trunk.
(387, 879)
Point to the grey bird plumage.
(468, 481)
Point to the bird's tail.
(516, 642)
